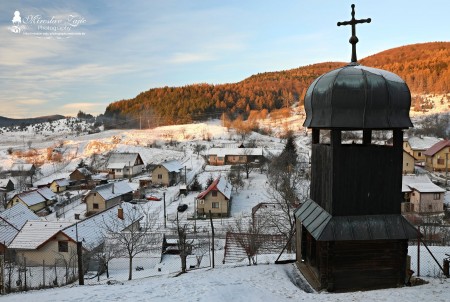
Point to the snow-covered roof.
(120, 160)
(437, 147)
(4, 182)
(235, 151)
(422, 143)
(62, 182)
(18, 215)
(46, 193)
(92, 231)
(7, 232)
(21, 167)
(113, 189)
(421, 183)
(83, 171)
(220, 184)
(12, 220)
(405, 188)
(31, 198)
(36, 232)
(99, 176)
(172, 165)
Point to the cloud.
(32, 101)
(92, 108)
(184, 58)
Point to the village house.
(417, 145)
(80, 175)
(234, 156)
(92, 230)
(421, 196)
(35, 200)
(41, 240)
(6, 184)
(19, 169)
(167, 173)
(11, 222)
(106, 196)
(59, 185)
(216, 198)
(408, 163)
(54, 242)
(437, 158)
(123, 165)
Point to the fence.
(163, 258)
(428, 253)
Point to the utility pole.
(80, 257)
(212, 233)
(446, 169)
(164, 199)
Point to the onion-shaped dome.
(358, 97)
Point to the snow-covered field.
(224, 283)
(255, 283)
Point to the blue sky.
(132, 46)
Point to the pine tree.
(210, 180)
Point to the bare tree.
(201, 248)
(235, 178)
(247, 235)
(199, 148)
(287, 188)
(248, 165)
(131, 235)
(184, 244)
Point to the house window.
(202, 201)
(419, 154)
(440, 161)
(407, 164)
(95, 206)
(437, 196)
(159, 176)
(215, 205)
(63, 246)
(430, 207)
(413, 193)
(214, 193)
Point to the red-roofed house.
(437, 158)
(216, 198)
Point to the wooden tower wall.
(356, 179)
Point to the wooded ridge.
(423, 66)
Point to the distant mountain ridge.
(6, 122)
(423, 66)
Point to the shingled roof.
(437, 147)
(221, 185)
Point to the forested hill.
(423, 66)
(6, 122)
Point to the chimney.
(112, 188)
(120, 212)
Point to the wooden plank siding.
(350, 179)
(359, 265)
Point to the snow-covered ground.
(255, 283)
(224, 283)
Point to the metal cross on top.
(353, 39)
